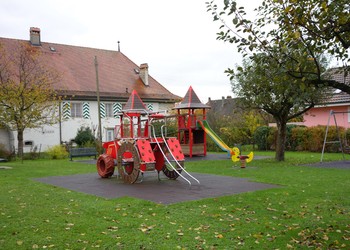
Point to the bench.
(78, 152)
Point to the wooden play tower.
(191, 136)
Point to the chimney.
(34, 36)
(144, 73)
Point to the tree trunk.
(281, 140)
(20, 143)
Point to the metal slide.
(165, 157)
(183, 169)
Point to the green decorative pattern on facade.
(66, 110)
(102, 110)
(117, 107)
(86, 110)
(150, 106)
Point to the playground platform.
(162, 192)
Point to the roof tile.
(116, 71)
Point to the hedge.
(300, 138)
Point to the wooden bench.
(78, 152)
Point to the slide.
(204, 124)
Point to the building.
(337, 102)
(79, 67)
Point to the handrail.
(165, 157)
(166, 144)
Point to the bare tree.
(27, 96)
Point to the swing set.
(333, 114)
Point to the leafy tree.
(263, 85)
(314, 27)
(251, 120)
(237, 127)
(27, 97)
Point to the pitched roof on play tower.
(191, 101)
(135, 103)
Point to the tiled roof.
(191, 101)
(118, 75)
(227, 107)
(337, 98)
(337, 74)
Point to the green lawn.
(311, 210)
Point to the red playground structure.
(190, 113)
(137, 149)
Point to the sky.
(176, 38)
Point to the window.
(28, 143)
(76, 109)
(110, 135)
(109, 109)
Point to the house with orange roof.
(117, 77)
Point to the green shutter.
(102, 110)
(117, 107)
(66, 110)
(86, 110)
(150, 106)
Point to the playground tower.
(191, 136)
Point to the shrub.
(84, 136)
(171, 128)
(262, 137)
(333, 136)
(298, 138)
(315, 138)
(33, 154)
(289, 141)
(57, 152)
(6, 154)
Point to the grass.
(310, 210)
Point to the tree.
(27, 96)
(263, 85)
(313, 26)
(84, 136)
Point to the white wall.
(48, 136)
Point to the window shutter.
(150, 106)
(117, 107)
(86, 110)
(102, 110)
(66, 110)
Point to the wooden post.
(98, 102)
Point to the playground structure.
(193, 128)
(191, 136)
(137, 148)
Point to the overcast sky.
(176, 38)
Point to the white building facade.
(74, 115)
(78, 66)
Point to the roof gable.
(135, 103)
(191, 101)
